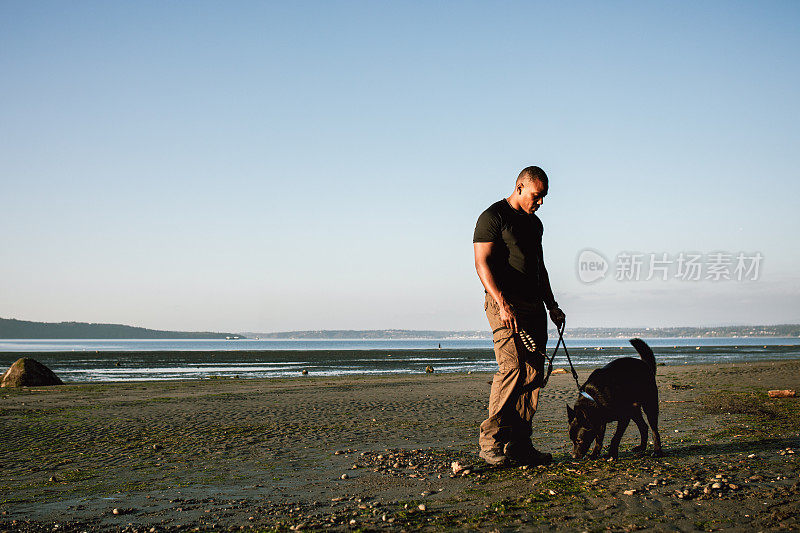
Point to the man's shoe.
(493, 457)
(539, 458)
(526, 454)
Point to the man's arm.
(556, 314)
(483, 252)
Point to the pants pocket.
(505, 350)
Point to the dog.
(618, 391)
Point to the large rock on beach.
(27, 372)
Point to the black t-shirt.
(518, 263)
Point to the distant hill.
(23, 329)
(781, 330)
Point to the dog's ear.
(570, 413)
(583, 418)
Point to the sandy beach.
(375, 453)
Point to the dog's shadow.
(710, 449)
(727, 448)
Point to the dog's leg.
(613, 447)
(636, 416)
(598, 442)
(651, 410)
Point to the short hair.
(532, 174)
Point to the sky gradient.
(320, 165)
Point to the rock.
(716, 486)
(422, 507)
(786, 393)
(345, 476)
(117, 511)
(27, 372)
(630, 492)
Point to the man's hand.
(557, 316)
(507, 317)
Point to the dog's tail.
(645, 353)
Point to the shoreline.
(177, 455)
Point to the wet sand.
(270, 454)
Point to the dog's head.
(581, 431)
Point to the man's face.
(531, 195)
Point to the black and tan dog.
(618, 391)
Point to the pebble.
(422, 507)
(733, 486)
(116, 511)
(345, 476)
(716, 486)
(629, 492)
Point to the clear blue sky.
(317, 165)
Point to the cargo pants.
(515, 387)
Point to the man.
(510, 264)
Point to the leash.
(569, 359)
(529, 343)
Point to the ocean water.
(145, 360)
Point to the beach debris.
(457, 467)
(429, 369)
(786, 393)
(27, 372)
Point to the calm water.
(137, 360)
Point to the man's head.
(530, 189)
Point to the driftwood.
(787, 393)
